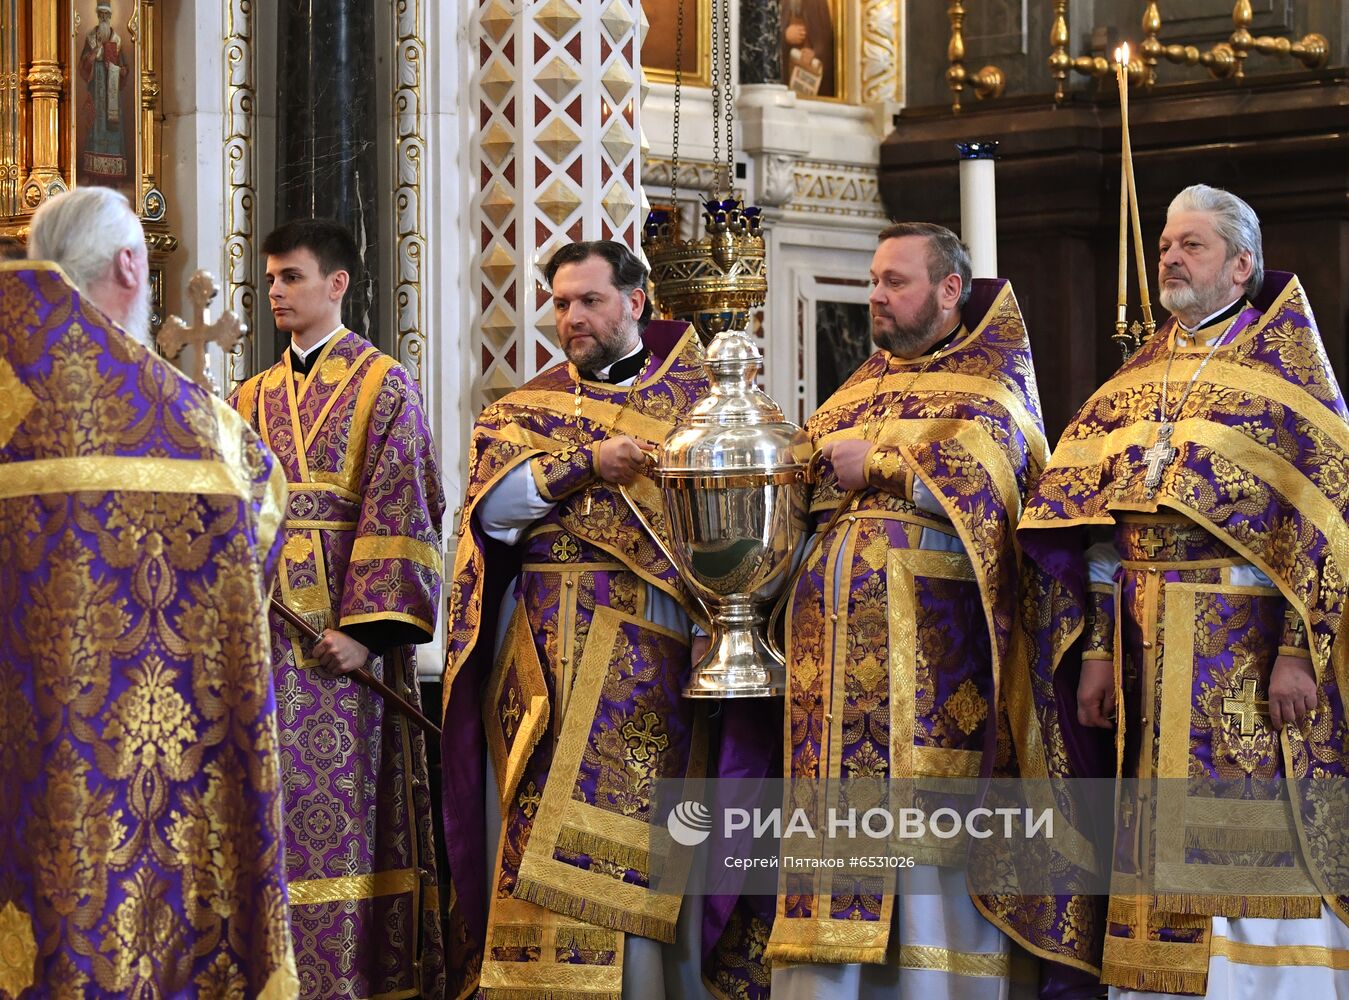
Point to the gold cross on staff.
(174, 335)
(1246, 708)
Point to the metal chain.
(679, 87)
(716, 97)
(729, 97)
(1166, 376)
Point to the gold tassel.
(1154, 980)
(1216, 905)
(584, 842)
(592, 911)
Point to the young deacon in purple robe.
(362, 562)
(571, 676)
(898, 630)
(1217, 462)
(140, 799)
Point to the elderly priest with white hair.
(140, 810)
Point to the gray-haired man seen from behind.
(96, 238)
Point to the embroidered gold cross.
(530, 799)
(565, 549)
(510, 715)
(1150, 542)
(1246, 708)
(1158, 457)
(644, 740)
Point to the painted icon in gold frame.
(811, 40)
(658, 50)
(105, 94)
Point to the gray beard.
(137, 322)
(1181, 300)
(1197, 302)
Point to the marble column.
(760, 41)
(327, 155)
(556, 156)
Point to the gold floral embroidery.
(332, 370)
(298, 548)
(18, 950)
(967, 707)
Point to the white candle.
(979, 207)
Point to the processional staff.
(226, 331)
(360, 674)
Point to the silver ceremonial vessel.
(733, 480)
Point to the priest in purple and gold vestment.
(898, 630)
(571, 678)
(361, 560)
(1216, 463)
(140, 799)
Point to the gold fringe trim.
(534, 993)
(516, 936)
(602, 849)
(1284, 907)
(593, 911)
(1124, 910)
(588, 938)
(1153, 980)
(1214, 838)
(1121, 910)
(829, 954)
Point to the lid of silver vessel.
(736, 429)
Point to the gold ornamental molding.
(409, 201)
(241, 192)
(882, 52)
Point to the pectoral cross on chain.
(226, 331)
(1158, 457)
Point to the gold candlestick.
(1311, 50)
(1121, 336)
(1126, 152)
(1060, 62)
(988, 82)
(1130, 339)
